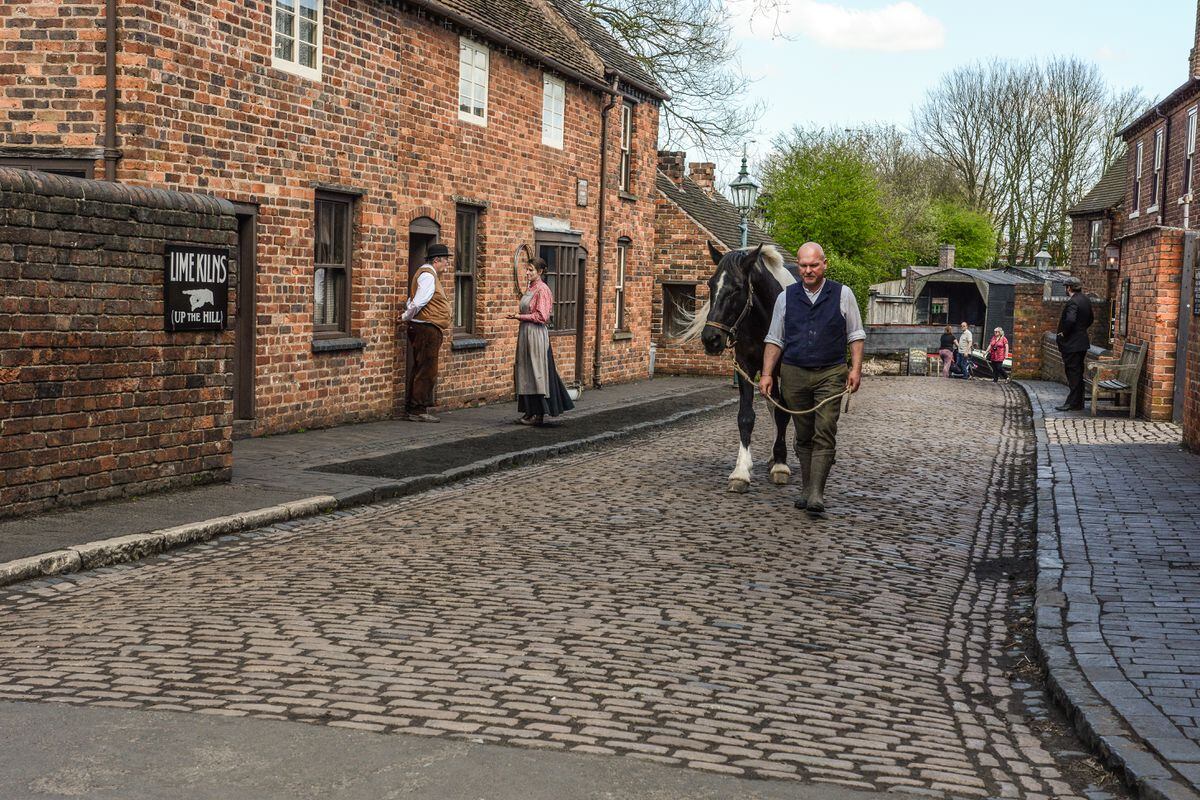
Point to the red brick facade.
(96, 399)
(1099, 282)
(683, 261)
(1152, 263)
(203, 109)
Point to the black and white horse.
(741, 297)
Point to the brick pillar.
(670, 163)
(703, 174)
(946, 256)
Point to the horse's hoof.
(781, 475)
(739, 486)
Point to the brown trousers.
(425, 342)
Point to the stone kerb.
(97, 400)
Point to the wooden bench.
(1116, 382)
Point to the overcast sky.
(847, 63)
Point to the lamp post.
(745, 195)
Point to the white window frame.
(1137, 179)
(293, 65)
(620, 320)
(1189, 162)
(626, 175)
(1095, 245)
(472, 79)
(554, 110)
(1159, 145)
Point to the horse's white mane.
(772, 259)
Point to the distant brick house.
(690, 212)
(1150, 218)
(350, 136)
(1095, 229)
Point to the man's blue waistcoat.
(814, 334)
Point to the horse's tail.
(694, 322)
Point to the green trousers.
(803, 388)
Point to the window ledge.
(299, 70)
(621, 336)
(624, 195)
(1151, 209)
(338, 344)
(463, 116)
(1135, 214)
(466, 341)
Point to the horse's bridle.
(730, 331)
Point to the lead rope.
(844, 393)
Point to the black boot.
(822, 462)
(804, 456)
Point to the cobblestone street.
(621, 602)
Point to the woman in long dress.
(540, 391)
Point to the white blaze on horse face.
(720, 285)
(741, 471)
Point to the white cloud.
(1107, 53)
(894, 28)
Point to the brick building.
(690, 212)
(349, 136)
(1095, 230)
(1146, 229)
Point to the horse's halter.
(730, 331)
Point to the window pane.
(319, 297)
(324, 248)
(336, 283)
(285, 21)
(339, 213)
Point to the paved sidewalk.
(277, 478)
(1118, 602)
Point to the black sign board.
(195, 288)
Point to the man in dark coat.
(1073, 342)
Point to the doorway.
(244, 327)
(422, 232)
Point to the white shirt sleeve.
(424, 294)
(775, 332)
(854, 326)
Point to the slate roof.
(1167, 105)
(532, 26)
(615, 57)
(719, 216)
(1109, 191)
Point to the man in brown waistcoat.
(428, 318)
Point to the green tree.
(818, 188)
(970, 232)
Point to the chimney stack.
(704, 174)
(1194, 56)
(670, 163)
(946, 256)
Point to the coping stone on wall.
(48, 184)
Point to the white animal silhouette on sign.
(200, 298)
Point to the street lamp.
(745, 195)
(1042, 259)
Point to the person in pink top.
(998, 351)
(540, 391)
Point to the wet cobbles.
(617, 602)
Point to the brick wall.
(1032, 317)
(96, 399)
(1153, 263)
(1170, 211)
(52, 76)
(682, 256)
(203, 109)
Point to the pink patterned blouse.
(540, 304)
